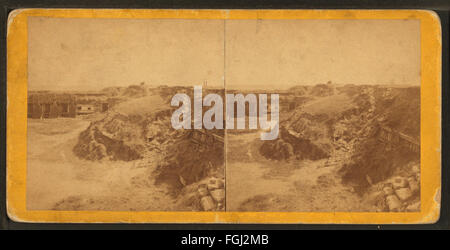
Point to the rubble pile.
(312, 127)
(95, 145)
(126, 137)
(373, 162)
(187, 162)
(399, 193)
(349, 138)
(205, 195)
(122, 127)
(212, 195)
(156, 129)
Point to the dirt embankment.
(94, 145)
(188, 162)
(355, 129)
(125, 129)
(288, 146)
(307, 133)
(138, 129)
(115, 137)
(375, 160)
(194, 172)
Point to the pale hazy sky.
(289, 52)
(90, 54)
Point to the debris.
(414, 185)
(208, 203)
(218, 195)
(377, 199)
(388, 190)
(215, 184)
(393, 203)
(403, 193)
(416, 168)
(399, 182)
(182, 180)
(202, 190)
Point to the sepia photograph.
(223, 115)
(349, 115)
(99, 115)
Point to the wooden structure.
(48, 105)
(205, 139)
(394, 137)
(85, 109)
